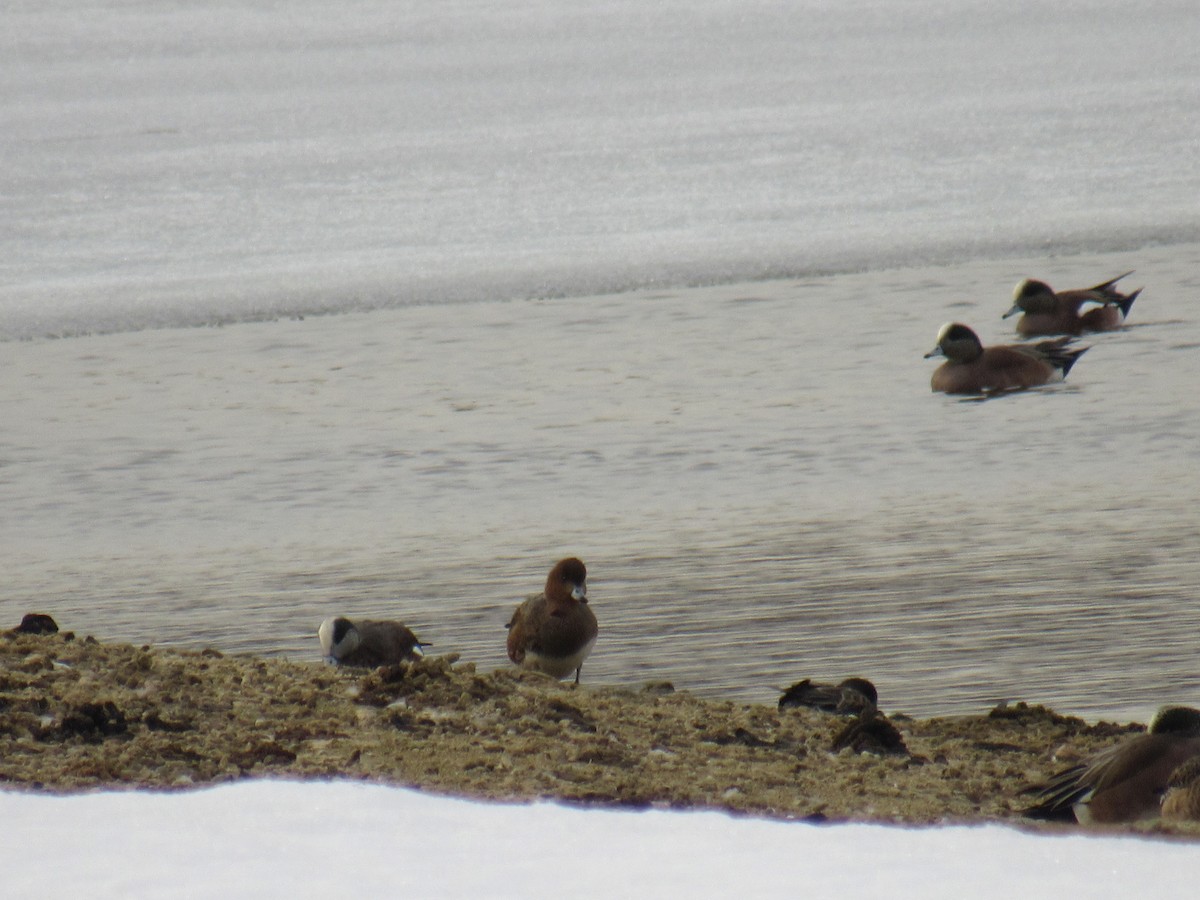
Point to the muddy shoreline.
(77, 714)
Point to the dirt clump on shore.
(76, 714)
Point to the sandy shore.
(76, 714)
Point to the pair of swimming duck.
(551, 632)
(971, 368)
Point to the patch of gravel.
(76, 714)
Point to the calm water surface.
(757, 475)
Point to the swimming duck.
(1047, 312)
(970, 368)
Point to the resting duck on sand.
(367, 642)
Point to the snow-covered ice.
(186, 163)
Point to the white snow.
(329, 839)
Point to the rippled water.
(757, 475)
